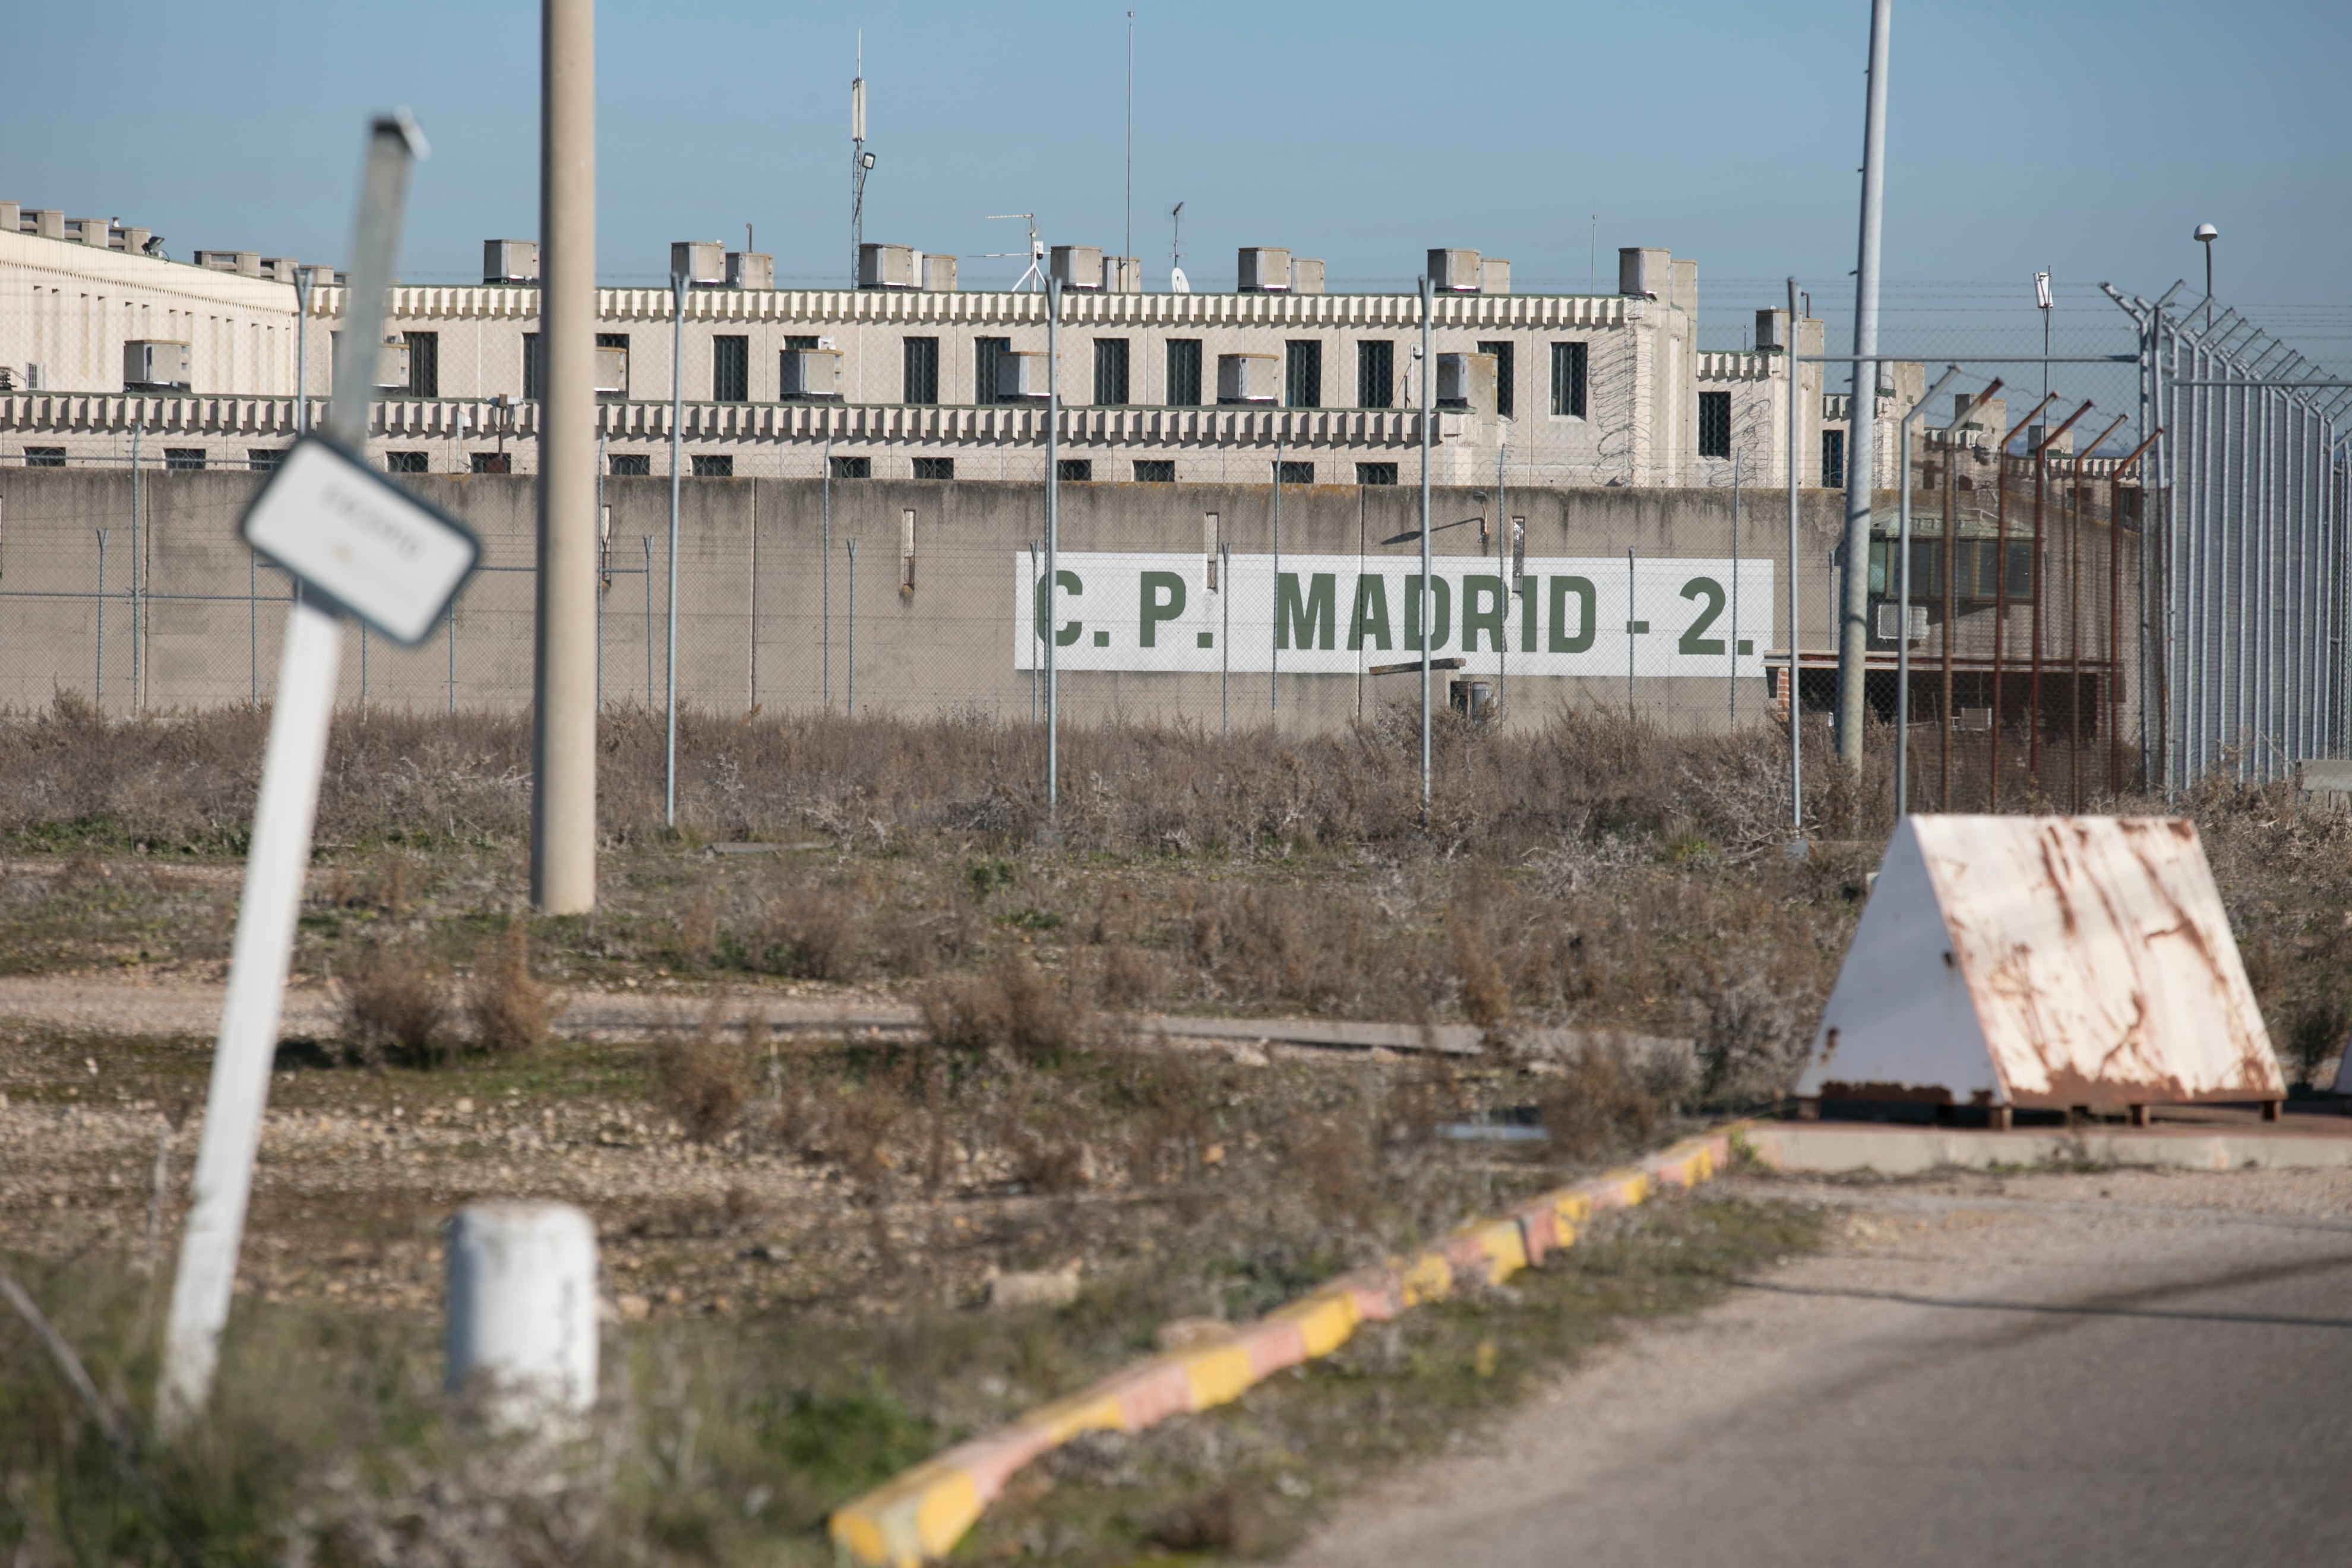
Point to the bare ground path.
(2119, 1367)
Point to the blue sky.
(2087, 139)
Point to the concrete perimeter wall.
(752, 593)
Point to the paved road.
(2144, 1368)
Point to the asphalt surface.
(2132, 1368)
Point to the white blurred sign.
(360, 540)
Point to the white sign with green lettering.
(1338, 614)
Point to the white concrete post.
(522, 1310)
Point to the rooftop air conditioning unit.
(1773, 330)
(1020, 375)
(1263, 269)
(886, 266)
(392, 366)
(1891, 621)
(751, 269)
(1122, 274)
(1453, 271)
(810, 375)
(1305, 275)
(1646, 274)
(1494, 275)
(938, 274)
(702, 262)
(1079, 267)
(150, 365)
(1252, 380)
(1466, 382)
(612, 371)
(509, 261)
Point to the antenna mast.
(1037, 250)
(861, 161)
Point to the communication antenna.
(1036, 253)
(861, 161)
(1177, 282)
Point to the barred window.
(985, 352)
(1302, 381)
(730, 369)
(45, 457)
(1074, 471)
(264, 460)
(1376, 473)
(1715, 425)
(493, 462)
(853, 467)
(1155, 470)
(1287, 473)
(1183, 373)
(1506, 360)
(1833, 460)
(632, 465)
(721, 467)
(934, 468)
(424, 363)
(1376, 375)
(1569, 363)
(1111, 371)
(186, 458)
(920, 359)
(406, 463)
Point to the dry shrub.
(1599, 1107)
(805, 933)
(1129, 977)
(395, 885)
(2316, 1032)
(698, 931)
(1754, 1038)
(705, 1078)
(1230, 1521)
(1010, 1010)
(1485, 995)
(511, 1008)
(395, 1001)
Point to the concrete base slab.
(1830, 1147)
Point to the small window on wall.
(1376, 473)
(800, 343)
(931, 469)
(1302, 377)
(188, 459)
(1294, 473)
(494, 462)
(1375, 374)
(1715, 425)
(921, 365)
(1833, 460)
(632, 465)
(985, 351)
(1505, 360)
(1074, 471)
(1111, 371)
(406, 463)
(730, 369)
(1183, 373)
(1155, 470)
(716, 468)
(851, 467)
(424, 363)
(264, 460)
(45, 457)
(1567, 374)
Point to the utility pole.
(1421, 589)
(563, 716)
(1854, 581)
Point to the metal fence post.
(852, 628)
(1632, 595)
(1053, 549)
(1796, 747)
(647, 575)
(97, 689)
(1273, 650)
(678, 285)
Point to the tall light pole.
(564, 714)
(861, 161)
(681, 274)
(1853, 583)
(2205, 236)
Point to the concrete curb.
(1833, 1148)
(920, 1515)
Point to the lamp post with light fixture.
(2205, 236)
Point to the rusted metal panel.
(2048, 961)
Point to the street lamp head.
(2207, 234)
(865, 160)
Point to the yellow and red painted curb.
(920, 1515)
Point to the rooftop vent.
(1305, 275)
(1261, 269)
(938, 274)
(1645, 273)
(509, 261)
(1079, 267)
(701, 262)
(1453, 271)
(1773, 330)
(887, 266)
(1122, 274)
(1494, 275)
(751, 269)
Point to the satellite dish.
(1177, 282)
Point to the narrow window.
(633, 465)
(529, 366)
(424, 363)
(1287, 473)
(1376, 473)
(406, 463)
(985, 352)
(1183, 373)
(1074, 470)
(1506, 360)
(1376, 375)
(855, 468)
(494, 462)
(1715, 425)
(187, 458)
(264, 460)
(1155, 470)
(715, 467)
(1833, 460)
(1111, 371)
(730, 369)
(1302, 380)
(931, 467)
(920, 357)
(1568, 371)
